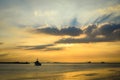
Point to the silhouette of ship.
(37, 63)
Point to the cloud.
(108, 29)
(106, 32)
(116, 18)
(102, 18)
(71, 31)
(108, 14)
(111, 9)
(105, 29)
(82, 40)
(1, 43)
(74, 22)
(53, 49)
(90, 29)
(35, 47)
(91, 74)
(47, 47)
(2, 55)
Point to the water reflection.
(97, 74)
(60, 72)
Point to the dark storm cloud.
(97, 33)
(71, 31)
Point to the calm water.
(60, 72)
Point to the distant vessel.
(89, 62)
(37, 63)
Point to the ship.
(37, 63)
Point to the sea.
(55, 71)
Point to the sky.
(60, 30)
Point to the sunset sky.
(60, 30)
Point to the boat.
(37, 63)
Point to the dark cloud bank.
(71, 31)
(47, 47)
(104, 32)
(97, 33)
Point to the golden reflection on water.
(101, 74)
(94, 74)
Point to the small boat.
(37, 63)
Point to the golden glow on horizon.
(107, 51)
(78, 52)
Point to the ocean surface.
(60, 72)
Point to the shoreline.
(14, 63)
(61, 63)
